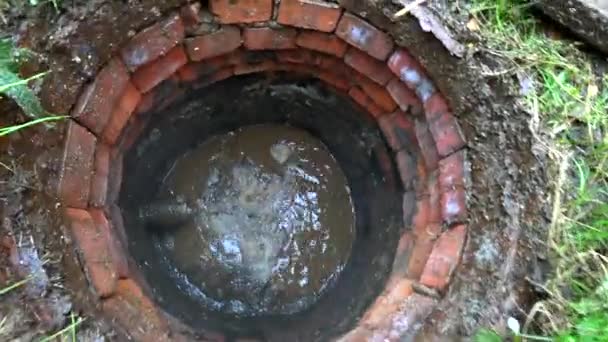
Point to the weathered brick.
(136, 313)
(427, 145)
(426, 219)
(76, 166)
(375, 70)
(223, 41)
(378, 94)
(337, 81)
(193, 71)
(366, 102)
(93, 247)
(190, 14)
(405, 98)
(399, 327)
(99, 180)
(115, 176)
(399, 131)
(266, 38)
(406, 165)
(359, 33)
(420, 254)
(447, 135)
(452, 171)
(379, 312)
(115, 248)
(435, 107)
(153, 42)
(454, 205)
(445, 258)
(322, 42)
(121, 114)
(241, 11)
(96, 102)
(401, 260)
(152, 74)
(320, 16)
(299, 56)
(412, 74)
(266, 65)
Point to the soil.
(508, 194)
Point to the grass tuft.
(571, 103)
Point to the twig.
(408, 8)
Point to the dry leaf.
(473, 25)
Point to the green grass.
(569, 107)
(16, 88)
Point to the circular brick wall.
(198, 47)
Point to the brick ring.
(196, 48)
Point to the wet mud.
(259, 219)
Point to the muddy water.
(260, 220)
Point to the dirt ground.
(508, 196)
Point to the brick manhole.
(249, 66)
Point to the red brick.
(115, 176)
(426, 217)
(359, 33)
(114, 214)
(434, 193)
(451, 171)
(115, 247)
(406, 165)
(435, 107)
(445, 258)
(136, 313)
(401, 260)
(399, 131)
(454, 205)
(223, 41)
(375, 70)
(299, 56)
(99, 181)
(93, 247)
(405, 98)
(378, 94)
(241, 11)
(334, 80)
(447, 135)
(265, 65)
(266, 38)
(322, 42)
(151, 100)
(420, 255)
(378, 313)
(96, 102)
(121, 114)
(190, 15)
(401, 326)
(76, 166)
(153, 42)
(194, 71)
(427, 145)
(150, 75)
(366, 102)
(319, 16)
(412, 74)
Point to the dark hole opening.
(355, 142)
